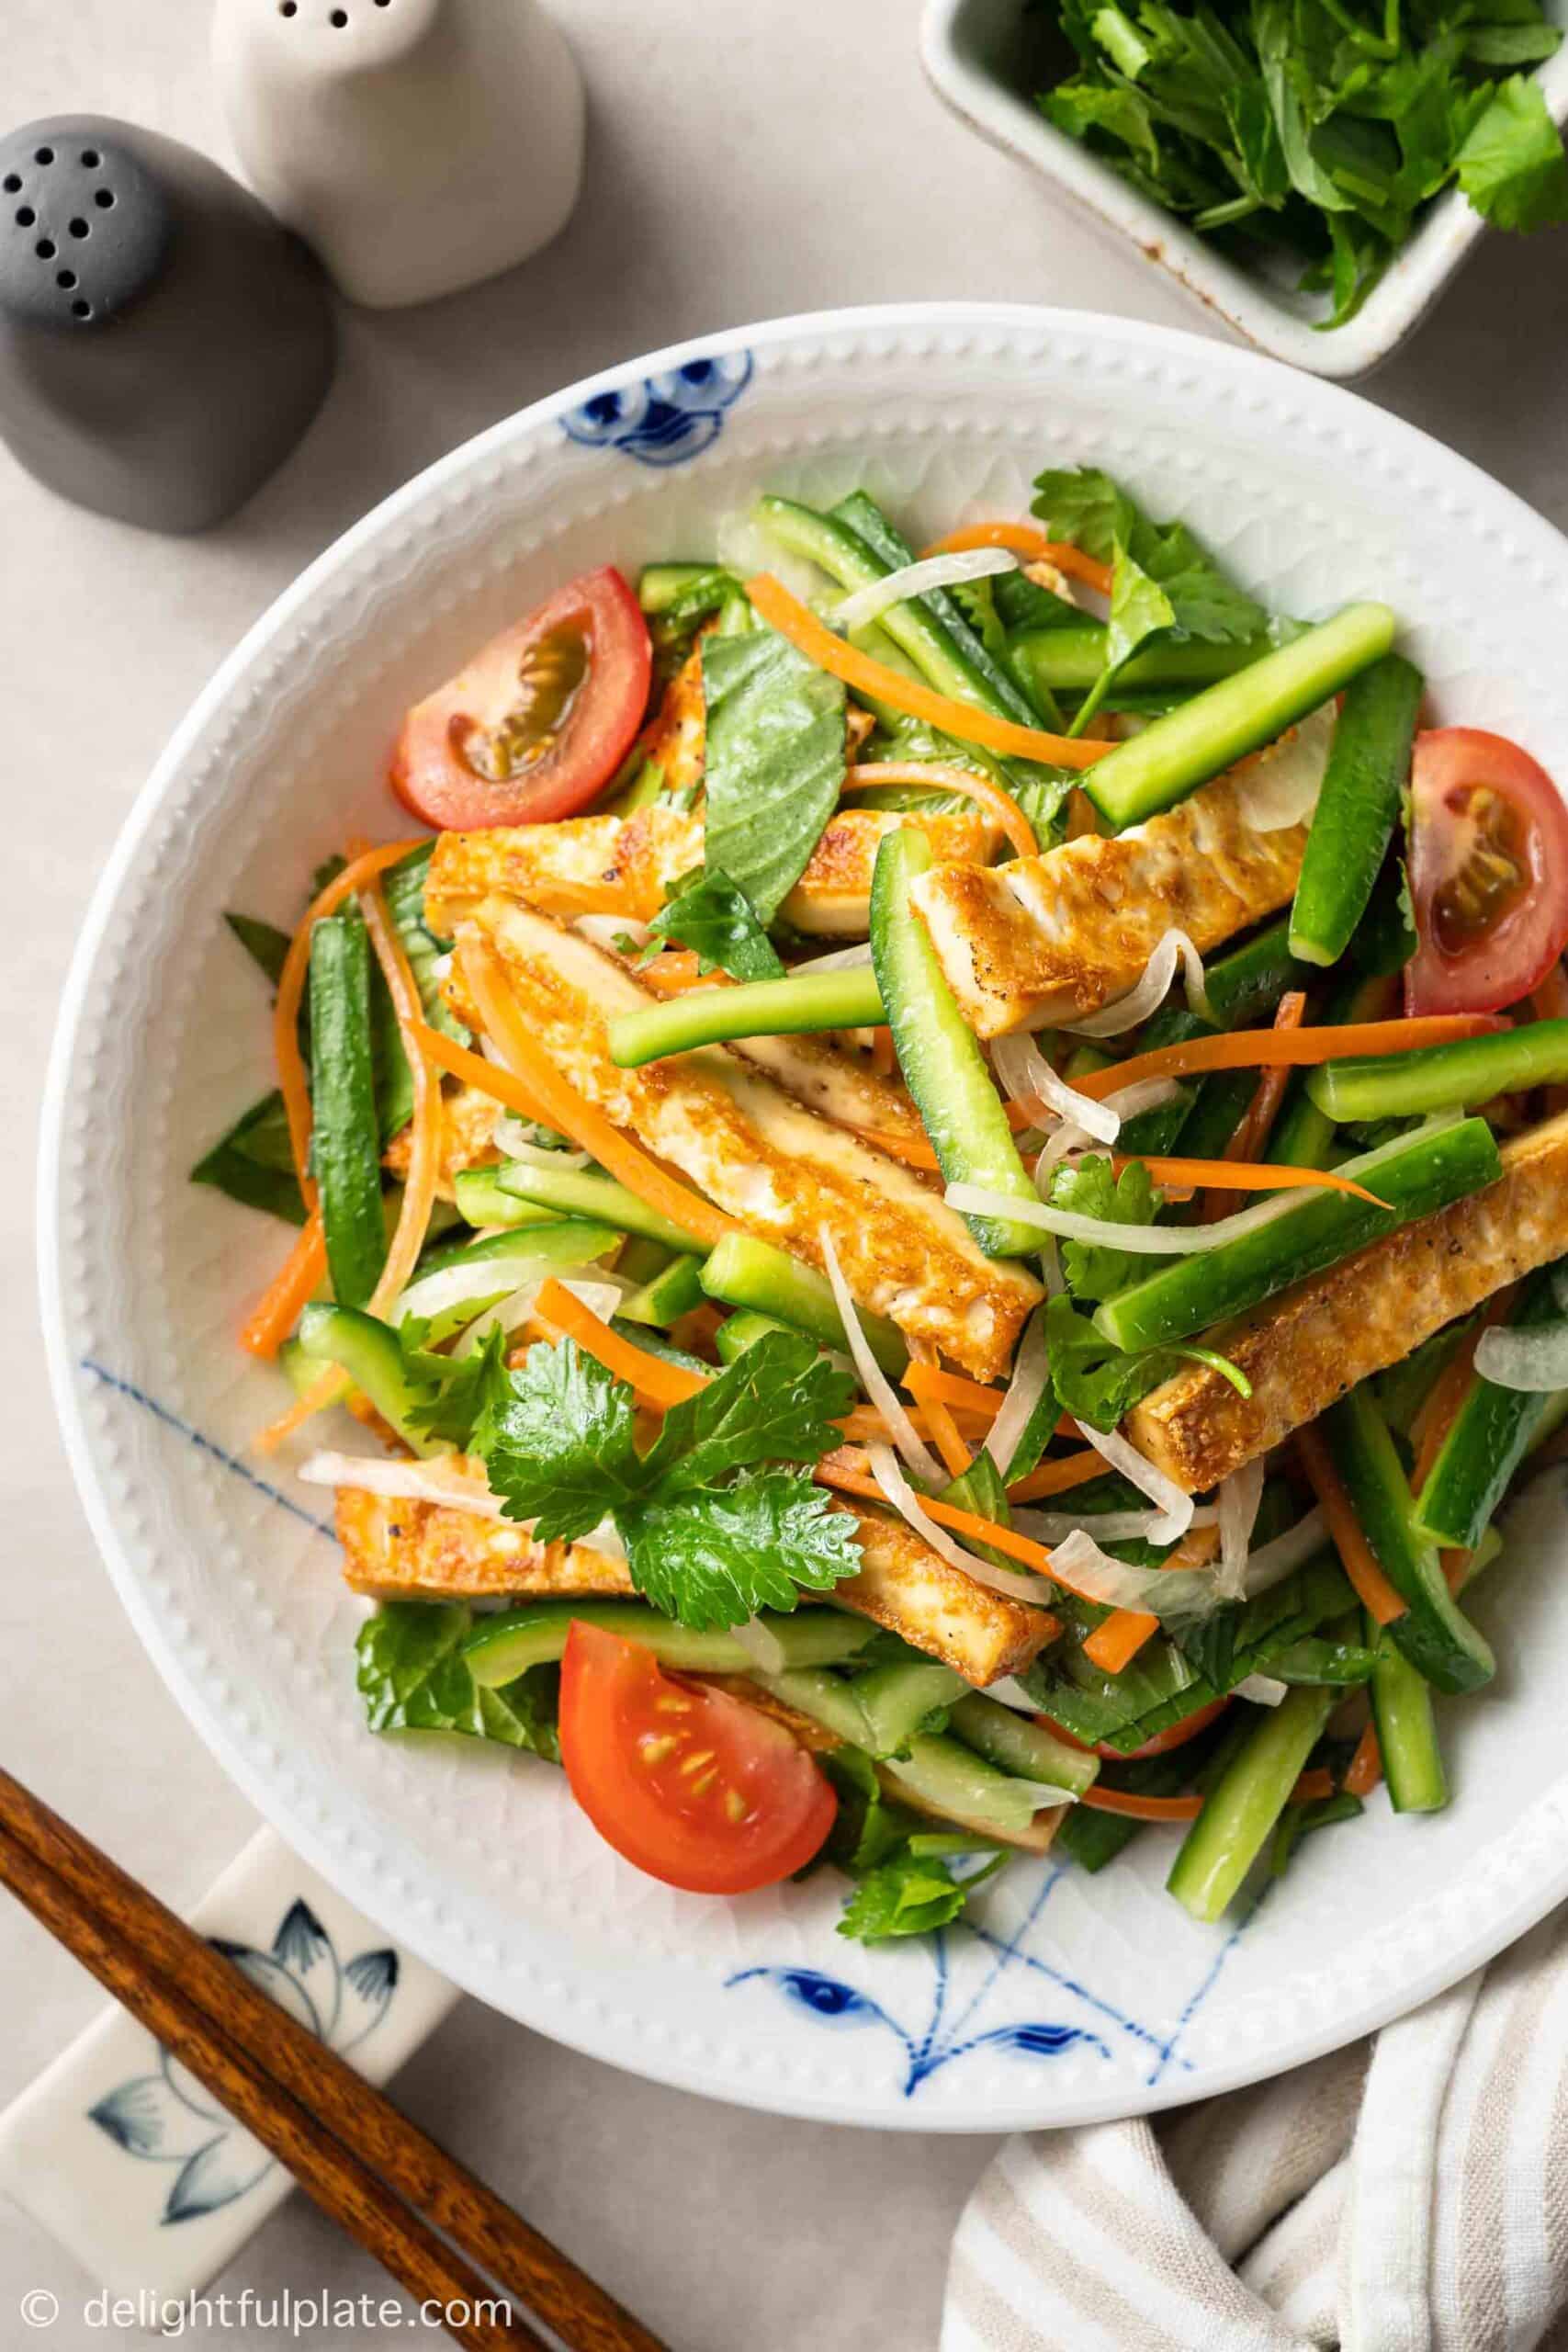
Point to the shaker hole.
(80, 310)
(80, 228)
(90, 157)
(25, 216)
(66, 277)
(103, 197)
(339, 17)
(45, 249)
(13, 183)
(43, 155)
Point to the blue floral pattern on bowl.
(167, 2117)
(665, 419)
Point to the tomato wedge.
(540, 720)
(1488, 873)
(693, 1786)
(1175, 1734)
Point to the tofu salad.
(940, 1193)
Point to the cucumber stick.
(1357, 807)
(1442, 1078)
(584, 1191)
(346, 1136)
(506, 1645)
(1434, 1634)
(675, 1291)
(1413, 1175)
(844, 999)
(742, 1330)
(1018, 1745)
(1068, 660)
(1242, 1808)
(1236, 716)
(1407, 1732)
(481, 1200)
(942, 1065)
(371, 1353)
(752, 1275)
(1487, 1439)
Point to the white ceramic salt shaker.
(419, 146)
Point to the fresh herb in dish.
(862, 1360)
(1315, 130)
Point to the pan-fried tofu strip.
(1307, 1347)
(406, 1549)
(400, 1548)
(560, 869)
(676, 738)
(777, 1168)
(468, 1116)
(1050, 938)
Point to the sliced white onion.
(511, 1135)
(1051, 1272)
(439, 1481)
(872, 1379)
(1144, 1094)
(602, 1298)
(761, 1645)
(1126, 1012)
(1010, 1691)
(1287, 1552)
(743, 545)
(907, 1503)
(1173, 1503)
(869, 603)
(1106, 1526)
(433, 1294)
(610, 931)
(1281, 786)
(843, 960)
(1239, 1497)
(1534, 1360)
(1029, 1374)
(1262, 1689)
(1029, 1079)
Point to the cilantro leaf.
(908, 1894)
(1512, 165)
(713, 1555)
(262, 942)
(558, 1442)
(775, 762)
(869, 1826)
(1094, 1270)
(459, 1390)
(708, 913)
(1090, 1378)
(414, 1677)
(778, 1402)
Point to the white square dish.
(974, 53)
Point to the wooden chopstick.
(351, 2150)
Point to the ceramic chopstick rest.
(419, 146)
(164, 342)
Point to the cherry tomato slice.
(540, 720)
(1174, 1735)
(691, 1785)
(1488, 873)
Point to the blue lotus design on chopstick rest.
(167, 2117)
(665, 419)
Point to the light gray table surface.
(744, 162)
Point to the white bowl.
(1093, 1996)
(972, 52)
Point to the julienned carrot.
(1371, 1587)
(1366, 1765)
(1117, 1640)
(676, 974)
(1135, 1808)
(1029, 540)
(1001, 805)
(883, 1061)
(661, 1383)
(943, 1429)
(292, 1082)
(1055, 1478)
(816, 642)
(1453, 1384)
(1256, 1124)
(424, 1161)
(1292, 1048)
(929, 1383)
(1311, 1787)
(532, 1078)
(1245, 1176)
(287, 1295)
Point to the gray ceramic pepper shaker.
(417, 145)
(163, 342)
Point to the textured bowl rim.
(1505, 1921)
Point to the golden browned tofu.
(404, 1549)
(627, 865)
(416, 1550)
(676, 737)
(1305, 1348)
(776, 1167)
(467, 1115)
(913, 1591)
(1050, 938)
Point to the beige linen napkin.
(1409, 2194)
